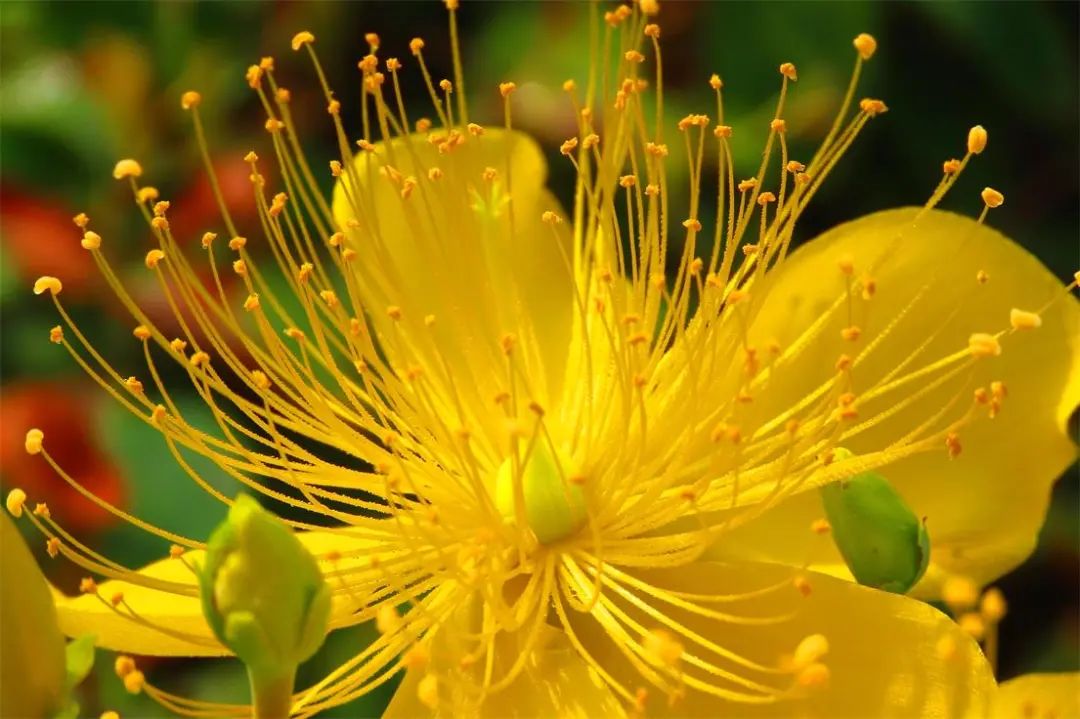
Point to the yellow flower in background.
(582, 444)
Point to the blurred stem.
(991, 648)
(271, 695)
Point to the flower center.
(537, 490)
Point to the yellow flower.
(587, 440)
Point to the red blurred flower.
(40, 239)
(64, 415)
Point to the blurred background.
(84, 84)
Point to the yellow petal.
(887, 655)
(470, 251)
(1037, 696)
(556, 682)
(984, 508)
(172, 624)
(31, 646)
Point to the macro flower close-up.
(441, 389)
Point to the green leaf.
(78, 660)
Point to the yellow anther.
(951, 166)
(865, 44)
(567, 147)
(814, 676)
(127, 168)
(153, 257)
(662, 648)
(746, 185)
(348, 255)
(810, 650)
(159, 223)
(802, 585)
(15, 501)
(81, 220)
(283, 96)
(329, 297)
(795, 167)
(489, 174)
(652, 190)
(178, 345)
(427, 691)
(959, 593)
(973, 624)
(952, 445)
(124, 665)
(692, 224)
(550, 217)
(42, 510)
(416, 45)
(142, 332)
(266, 63)
(869, 287)
(333, 108)
(251, 157)
(872, 107)
(160, 208)
(51, 284)
(56, 335)
(656, 150)
(982, 277)
(190, 99)
(851, 333)
(1024, 320)
(446, 86)
(274, 125)
(147, 194)
(722, 131)
(252, 302)
(158, 415)
(846, 263)
(259, 378)
(239, 267)
(976, 141)
(474, 129)
(737, 295)
(116, 599)
(778, 125)
(788, 71)
(634, 56)
(175, 552)
(393, 312)
(133, 384)
(507, 88)
(387, 619)
(302, 38)
(765, 198)
(715, 82)
(820, 526)
(507, 342)
(87, 585)
(134, 681)
(992, 606)
(590, 141)
(695, 266)
(982, 344)
(992, 197)
(295, 334)
(372, 39)
(52, 547)
(200, 358)
(237, 243)
(652, 30)
(649, 8)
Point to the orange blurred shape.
(40, 239)
(63, 413)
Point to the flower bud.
(262, 592)
(881, 540)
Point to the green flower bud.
(883, 542)
(32, 674)
(264, 597)
(554, 506)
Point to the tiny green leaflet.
(883, 542)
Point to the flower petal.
(983, 509)
(468, 248)
(1039, 695)
(171, 624)
(556, 682)
(888, 655)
